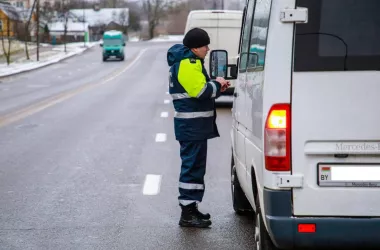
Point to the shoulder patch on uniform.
(192, 60)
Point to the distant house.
(13, 20)
(75, 32)
(100, 20)
(9, 20)
(21, 3)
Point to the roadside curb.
(43, 65)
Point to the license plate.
(348, 175)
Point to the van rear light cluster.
(277, 138)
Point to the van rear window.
(341, 35)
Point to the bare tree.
(177, 16)
(155, 10)
(26, 17)
(65, 24)
(65, 14)
(124, 21)
(235, 5)
(10, 20)
(98, 29)
(215, 4)
(5, 36)
(114, 16)
(134, 15)
(47, 10)
(27, 27)
(206, 4)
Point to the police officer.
(194, 95)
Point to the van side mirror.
(101, 45)
(219, 65)
(123, 44)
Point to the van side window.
(259, 34)
(246, 35)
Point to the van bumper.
(356, 233)
(112, 53)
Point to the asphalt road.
(78, 140)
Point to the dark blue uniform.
(194, 97)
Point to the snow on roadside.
(18, 67)
(172, 38)
(134, 39)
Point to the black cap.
(196, 38)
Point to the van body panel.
(335, 99)
(240, 158)
(253, 159)
(334, 113)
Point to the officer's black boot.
(206, 216)
(191, 218)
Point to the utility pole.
(38, 30)
(222, 4)
(214, 5)
(84, 27)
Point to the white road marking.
(152, 184)
(164, 114)
(128, 67)
(160, 137)
(166, 101)
(38, 86)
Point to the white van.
(305, 134)
(223, 27)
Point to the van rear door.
(335, 109)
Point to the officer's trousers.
(193, 170)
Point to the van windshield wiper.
(335, 36)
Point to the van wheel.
(239, 200)
(262, 238)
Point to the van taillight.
(277, 138)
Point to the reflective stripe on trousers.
(191, 186)
(187, 202)
(189, 115)
(193, 169)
